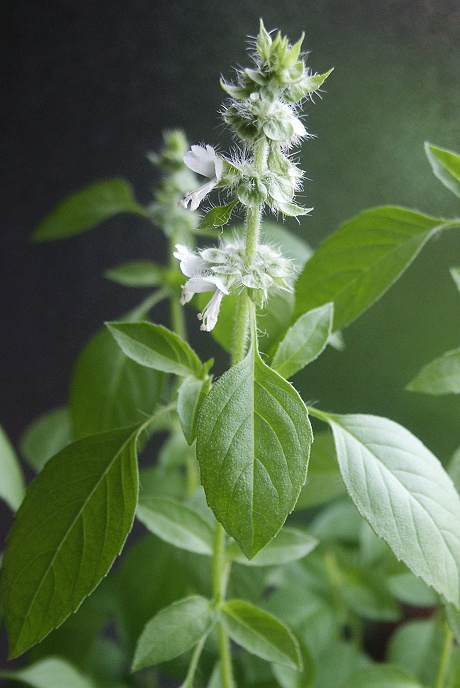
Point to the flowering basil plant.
(218, 591)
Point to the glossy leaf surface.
(260, 633)
(69, 529)
(154, 346)
(357, 264)
(173, 631)
(253, 445)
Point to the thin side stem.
(188, 683)
(444, 658)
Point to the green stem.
(444, 658)
(220, 574)
(240, 329)
(188, 683)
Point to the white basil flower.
(206, 162)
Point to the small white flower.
(206, 162)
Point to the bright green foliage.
(415, 647)
(46, 436)
(355, 266)
(304, 341)
(190, 397)
(404, 493)
(69, 529)
(176, 523)
(154, 346)
(288, 545)
(441, 376)
(173, 631)
(324, 480)
(87, 208)
(109, 390)
(11, 478)
(218, 217)
(260, 633)
(253, 445)
(446, 166)
(49, 673)
(138, 273)
(386, 676)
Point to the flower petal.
(202, 160)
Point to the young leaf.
(441, 376)
(11, 478)
(109, 390)
(415, 647)
(253, 445)
(355, 266)
(176, 523)
(87, 208)
(288, 545)
(402, 490)
(70, 527)
(46, 436)
(260, 633)
(217, 217)
(154, 346)
(304, 341)
(190, 397)
(138, 273)
(446, 166)
(381, 676)
(49, 673)
(173, 631)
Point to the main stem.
(220, 573)
(444, 659)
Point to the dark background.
(88, 87)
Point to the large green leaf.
(154, 346)
(253, 445)
(50, 673)
(70, 527)
(381, 676)
(11, 478)
(289, 545)
(109, 390)
(87, 208)
(359, 262)
(441, 376)
(404, 493)
(446, 166)
(46, 436)
(260, 633)
(304, 341)
(173, 631)
(176, 523)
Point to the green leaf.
(50, 673)
(260, 633)
(154, 346)
(70, 527)
(416, 647)
(304, 341)
(381, 676)
(355, 266)
(87, 208)
(253, 445)
(218, 217)
(365, 593)
(455, 272)
(190, 397)
(46, 436)
(287, 677)
(446, 166)
(293, 210)
(174, 630)
(324, 480)
(402, 490)
(337, 661)
(109, 390)
(137, 273)
(441, 376)
(453, 619)
(406, 588)
(11, 478)
(289, 545)
(176, 523)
